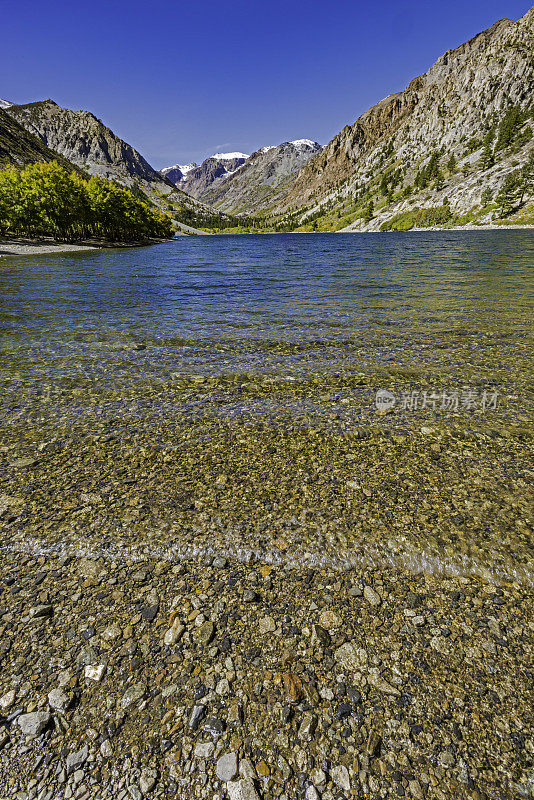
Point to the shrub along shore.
(42, 200)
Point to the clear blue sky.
(181, 80)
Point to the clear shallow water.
(207, 305)
(291, 332)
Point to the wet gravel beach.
(169, 680)
(227, 570)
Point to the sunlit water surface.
(275, 338)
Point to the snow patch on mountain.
(184, 168)
(228, 172)
(303, 143)
(229, 156)
(5, 103)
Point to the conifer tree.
(509, 127)
(527, 178)
(487, 158)
(451, 163)
(369, 211)
(508, 197)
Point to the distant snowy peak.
(251, 183)
(298, 145)
(196, 179)
(5, 103)
(185, 168)
(177, 172)
(265, 169)
(305, 143)
(229, 156)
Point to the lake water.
(218, 394)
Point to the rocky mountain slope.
(84, 140)
(451, 137)
(262, 179)
(19, 147)
(198, 180)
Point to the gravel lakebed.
(204, 607)
(216, 679)
(226, 570)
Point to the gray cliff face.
(198, 180)
(19, 147)
(262, 179)
(85, 141)
(462, 95)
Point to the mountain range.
(244, 184)
(259, 181)
(197, 178)
(85, 141)
(44, 131)
(438, 151)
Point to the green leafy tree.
(51, 200)
(451, 163)
(43, 199)
(11, 203)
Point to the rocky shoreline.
(215, 678)
(485, 227)
(37, 247)
(30, 247)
